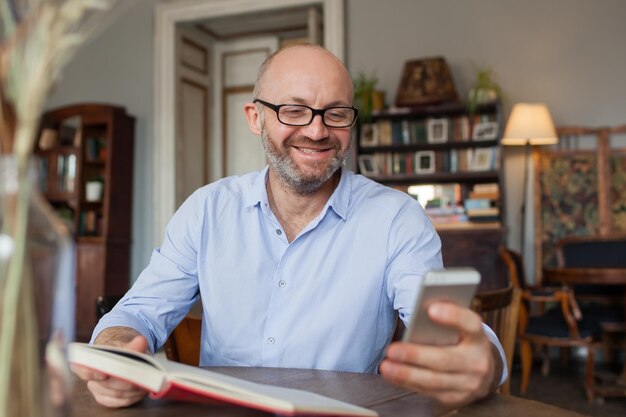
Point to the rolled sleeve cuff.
(494, 339)
(115, 319)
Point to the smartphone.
(454, 285)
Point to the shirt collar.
(258, 191)
(339, 200)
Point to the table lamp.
(529, 124)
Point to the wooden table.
(366, 390)
(599, 276)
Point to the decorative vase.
(36, 298)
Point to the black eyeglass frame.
(314, 112)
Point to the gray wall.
(116, 68)
(567, 53)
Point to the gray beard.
(288, 171)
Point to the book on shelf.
(478, 196)
(491, 187)
(167, 379)
(478, 203)
(66, 173)
(385, 132)
(490, 191)
(95, 148)
(451, 214)
(487, 214)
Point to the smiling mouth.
(311, 150)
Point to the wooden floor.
(563, 387)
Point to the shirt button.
(270, 340)
(279, 232)
(282, 284)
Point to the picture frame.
(367, 165)
(424, 162)
(482, 159)
(369, 135)
(425, 81)
(437, 130)
(485, 131)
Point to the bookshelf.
(86, 173)
(454, 162)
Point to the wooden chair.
(599, 258)
(499, 310)
(593, 253)
(561, 326)
(183, 345)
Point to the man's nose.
(316, 130)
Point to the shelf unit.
(403, 148)
(79, 145)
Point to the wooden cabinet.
(86, 173)
(452, 163)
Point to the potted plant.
(484, 90)
(364, 91)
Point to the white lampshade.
(530, 124)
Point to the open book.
(167, 379)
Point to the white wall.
(567, 53)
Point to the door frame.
(167, 16)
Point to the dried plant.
(38, 37)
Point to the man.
(304, 264)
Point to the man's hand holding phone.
(445, 353)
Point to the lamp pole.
(527, 148)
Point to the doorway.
(168, 16)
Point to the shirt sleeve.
(168, 287)
(415, 248)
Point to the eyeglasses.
(300, 115)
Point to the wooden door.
(239, 61)
(193, 75)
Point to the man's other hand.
(107, 390)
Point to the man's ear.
(253, 117)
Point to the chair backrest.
(592, 251)
(514, 267)
(499, 309)
(183, 345)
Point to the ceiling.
(284, 23)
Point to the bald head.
(303, 58)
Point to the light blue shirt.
(327, 300)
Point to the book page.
(134, 367)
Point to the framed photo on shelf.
(424, 162)
(482, 159)
(369, 135)
(437, 130)
(367, 165)
(485, 131)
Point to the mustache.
(309, 143)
